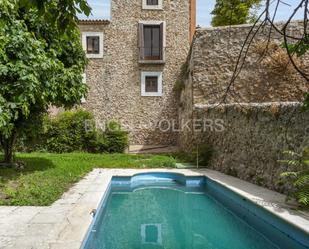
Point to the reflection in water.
(151, 234)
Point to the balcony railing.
(151, 55)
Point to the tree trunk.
(8, 148)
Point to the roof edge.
(93, 22)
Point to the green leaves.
(306, 102)
(299, 48)
(61, 12)
(84, 7)
(232, 12)
(40, 64)
(298, 179)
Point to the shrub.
(98, 143)
(299, 178)
(117, 139)
(67, 132)
(203, 152)
(73, 131)
(31, 136)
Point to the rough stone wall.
(253, 139)
(215, 52)
(256, 132)
(114, 81)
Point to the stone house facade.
(135, 59)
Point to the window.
(83, 100)
(152, 48)
(152, 4)
(93, 44)
(151, 84)
(151, 41)
(151, 234)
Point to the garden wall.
(249, 132)
(214, 55)
(249, 140)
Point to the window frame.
(159, 6)
(159, 93)
(84, 81)
(141, 25)
(151, 56)
(93, 43)
(101, 44)
(152, 0)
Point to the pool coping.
(65, 224)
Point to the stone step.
(185, 166)
(152, 149)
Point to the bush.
(67, 132)
(74, 131)
(117, 140)
(31, 135)
(299, 178)
(204, 153)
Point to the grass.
(47, 176)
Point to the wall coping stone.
(201, 29)
(256, 105)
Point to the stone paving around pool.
(64, 224)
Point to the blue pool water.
(170, 211)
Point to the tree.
(233, 12)
(41, 62)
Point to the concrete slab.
(64, 224)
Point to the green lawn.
(47, 176)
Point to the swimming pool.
(172, 211)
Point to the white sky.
(101, 10)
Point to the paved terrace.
(64, 224)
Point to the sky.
(101, 10)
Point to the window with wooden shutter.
(141, 40)
(151, 38)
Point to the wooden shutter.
(162, 41)
(96, 45)
(141, 41)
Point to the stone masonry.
(249, 132)
(114, 81)
(213, 60)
